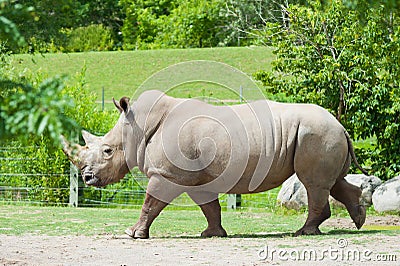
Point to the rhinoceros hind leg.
(211, 209)
(349, 195)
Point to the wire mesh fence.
(109, 197)
(27, 177)
(23, 181)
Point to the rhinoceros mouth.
(89, 177)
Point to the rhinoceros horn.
(72, 151)
(89, 138)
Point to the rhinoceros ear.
(118, 105)
(124, 103)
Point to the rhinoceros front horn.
(72, 151)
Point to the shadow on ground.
(273, 235)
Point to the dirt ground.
(373, 246)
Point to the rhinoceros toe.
(137, 233)
(210, 232)
(308, 230)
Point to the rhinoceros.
(187, 145)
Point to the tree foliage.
(328, 56)
(34, 112)
(8, 29)
(246, 19)
(47, 26)
(28, 108)
(147, 24)
(172, 24)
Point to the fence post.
(73, 186)
(102, 98)
(74, 179)
(241, 94)
(233, 201)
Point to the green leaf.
(43, 124)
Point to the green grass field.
(122, 73)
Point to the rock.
(293, 194)
(387, 196)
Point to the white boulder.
(293, 194)
(387, 196)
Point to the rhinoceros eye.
(107, 152)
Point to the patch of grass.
(59, 221)
(122, 72)
(19, 220)
(97, 221)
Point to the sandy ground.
(349, 248)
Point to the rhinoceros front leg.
(160, 192)
(211, 209)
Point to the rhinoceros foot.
(358, 215)
(135, 232)
(309, 230)
(218, 231)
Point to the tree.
(48, 26)
(8, 29)
(246, 19)
(328, 56)
(173, 24)
(44, 23)
(107, 13)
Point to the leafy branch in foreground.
(8, 29)
(28, 110)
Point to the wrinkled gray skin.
(189, 146)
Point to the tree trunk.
(341, 106)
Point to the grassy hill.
(122, 73)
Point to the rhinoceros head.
(102, 159)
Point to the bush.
(94, 37)
(173, 24)
(35, 171)
(90, 38)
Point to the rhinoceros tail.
(353, 155)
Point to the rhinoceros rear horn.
(122, 105)
(88, 138)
